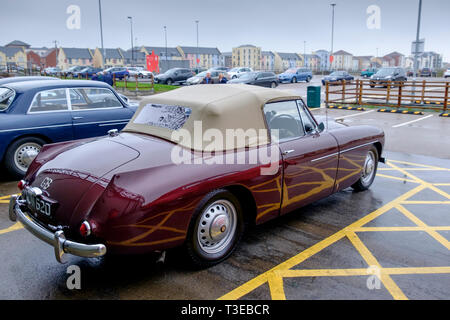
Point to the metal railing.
(423, 94)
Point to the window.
(93, 98)
(285, 118)
(49, 100)
(308, 123)
(6, 98)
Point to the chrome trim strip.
(32, 128)
(325, 157)
(102, 122)
(360, 146)
(346, 150)
(111, 124)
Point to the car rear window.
(6, 98)
(165, 116)
(49, 100)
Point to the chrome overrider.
(55, 239)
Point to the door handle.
(285, 153)
(77, 118)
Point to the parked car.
(52, 71)
(224, 69)
(197, 70)
(427, 72)
(384, 75)
(70, 71)
(236, 72)
(337, 76)
(24, 78)
(447, 74)
(34, 113)
(119, 73)
(113, 194)
(198, 78)
(175, 75)
(139, 72)
(367, 73)
(296, 74)
(87, 72)
(258, 78)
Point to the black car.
(337, 76)
(86, 72)
(384, 75)
(258, 78)
(175, 75)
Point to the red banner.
(152, 62)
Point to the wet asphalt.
(421, 259)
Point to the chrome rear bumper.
(57, 239)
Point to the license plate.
(38, 204)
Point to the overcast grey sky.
(279, 25)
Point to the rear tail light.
(21, 185)
(85, 229)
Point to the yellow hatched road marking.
(274, 276)
(16, 226)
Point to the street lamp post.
(416, 53)
(304, 54)
(165, 36)
(132, 46)
(101, 31)
(333, 5)
(196, 58)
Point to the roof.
(247, 45)
(342, 53)
(363, 57)
(288, 56)
(136, 54)
(17, 43)
(10, 51)
(201, 50)
(267, 53)
(111, 53)
(21, 79)
(51, 84)
(218, 107)
(77, 53)
(394, 54)
(161, 51)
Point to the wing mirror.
(321, 127)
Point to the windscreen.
(6, 98)
(162, 115)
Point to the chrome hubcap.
(217, 226)
(369, 168)
(25, 154)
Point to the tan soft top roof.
(219, 106)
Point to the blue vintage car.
(34, 113)
(295, 74)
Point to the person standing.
(222, 78)
(207, 79)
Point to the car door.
(310, 157)
(95, 111)
(49, 115)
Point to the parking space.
(397, 232)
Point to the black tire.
(234, 77)
(364, 183)
(308, 79)
(169, 82)
(294, 80)
(196, 254)
(10, 164)
(273, 85)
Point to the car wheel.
(233, 77)
(215, 229)
(294, 80)
(369, 171)
(169, 82)
(20, 154)
(308, 79)
(273, 84)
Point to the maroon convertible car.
(167, 180)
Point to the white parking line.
(406, 123)
(355, 115)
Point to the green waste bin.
(313, 96)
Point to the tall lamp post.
(333, 5)
(101, 31)
(304, 54)
(196, 58)
(165, 37)
(132, 46)
(416, 53)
